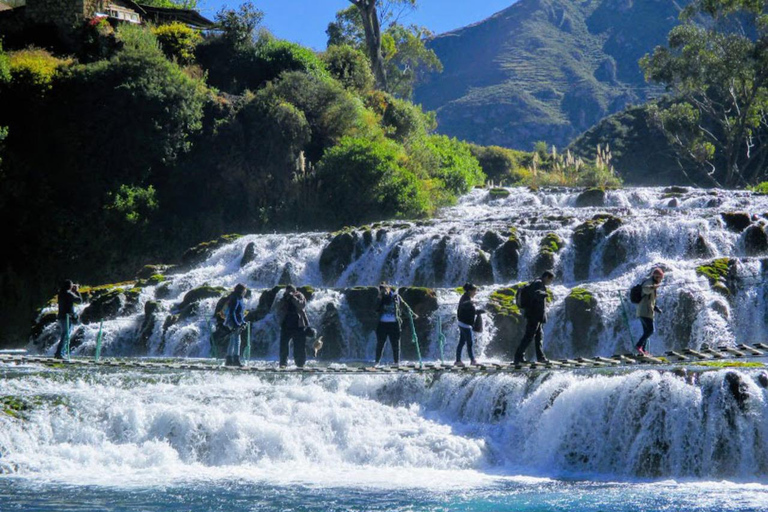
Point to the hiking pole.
(626, 317)
(98, 341)
(65, 351)
(414, 337)
(247, 350)
(440, 338)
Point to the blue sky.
(305, 21)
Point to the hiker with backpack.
(235, 322)
(532, 299)
(389, 309)
(468, 315)
(644, 295)
(67, 297)
(293, 327)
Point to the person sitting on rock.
(467, 315)
(67, 297)
(646, 309)
(235, 321)
(293, 327)
(389, 309)
(536, 316)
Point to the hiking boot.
(521, 361)
(474, 363)
(228, 361)
(460, 364)
(58, 356)
(236, 361)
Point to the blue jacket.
(235, 310)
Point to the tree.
(371, 17)
(400, 52)
(716, 67)
(239, 25)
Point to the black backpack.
(636, 294)
(523, 297)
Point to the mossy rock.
(332, 332)
(481, 269)
(148, 323)
(687, 306)
(755, 241)
(200, 252)
(736, 221)
(200, 293)
(91, 293)
(550, 245)
(151, 281)
(717, 273)
(698, 248)
(107, 306)
(499, 193)
(585, 237)
(507, 256)
(675, 190)
(249, 254)
(508, 320)
(14, 406)
(163, 291)
(609, 222)
(148, 271)
(491, 241)
(434, 274)
(592, 197)
(362, 301)
(583, 320)
(338, 255)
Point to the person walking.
(535, 313)
(647, 307)
(235, 321)
(293, 326)
(68, 295)
(389, 308)
(467, 314)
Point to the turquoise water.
(507, 494)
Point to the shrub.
(137, 37)
(178, 41)
(5, 66)
(331, 111)
(501, 165)
(34, 68)
(455, 166)
(402, 120)
(365, 180)
(132, 204)
(349, 66)
(760, 188)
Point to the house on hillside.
(66, 14)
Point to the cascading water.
(613, 439)
(601, 249)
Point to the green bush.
(136, 38)
(501, 165)
(5, 66)
(402, 120)
(331, 111)
(34, 68)
(134, 205)
(178, 41)
(276, 57)
(760, 188)
(365, 180)
(349, 66)
(456, 168)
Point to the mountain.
(545, 69)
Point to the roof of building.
(188, 16)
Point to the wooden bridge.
(758, 350)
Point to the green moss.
(499, 193)
(716, 271)
(582, 295)
(551, 243)
(502, 301)
(728, 364)
(200, 293)
(13, 406)
(514, 236)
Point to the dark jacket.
(389, 303)
(67, 300)
(537, 311)
(292, 307)
(235, 311)
(466, 311)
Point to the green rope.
(247, 350)
(98, 341)
(440, 338)
(626, 317)
(65, 351)
(414, 336)
(214, 352)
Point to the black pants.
(299, 345)
(389, 330)
(466, 336)
(647, 324)
(533, 330)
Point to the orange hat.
(658, 271)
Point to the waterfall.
(604, 246)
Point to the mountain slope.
(544, 69)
